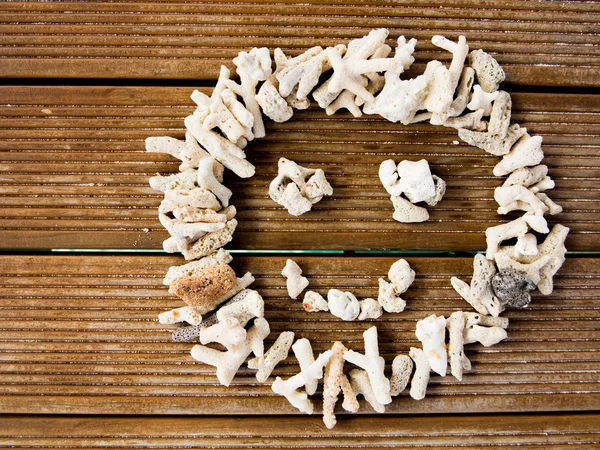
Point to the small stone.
(204, 290)
(512, 287)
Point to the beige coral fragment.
(334, 382)
(195, 268)
(188, 151)
(277, 353)
(407, 212)
(210, 242)
(480, 294)
(402, 367)
(526, 152)
(489, 73)
(456, 352)
(369, 309)
(420, 379)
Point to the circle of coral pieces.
(362, 78)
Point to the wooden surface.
(539, 43)
(86, 326)
(83, 362)
(74, 166)
(465, 432)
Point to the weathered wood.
(74, 173)
(548, 44)
(465, 431)
(76, 326)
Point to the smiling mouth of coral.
(361, 77)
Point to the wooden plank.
(85, 325)
(465, 432)
(74, 173)
(539, 43)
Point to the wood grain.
(78, 335)
(550, 43)
(74, 173)
(466, 432)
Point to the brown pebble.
(204, 290)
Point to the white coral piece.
(184, 234)
(373, 364)
(511, 198)
(489, 72)
(205, 245)
(273, 105)
(314, 302)
(483, 329)
(188, 198)
(307, 376)
(349, 71)
(552, 247)
(493, 144)
(301, 72)
(496, 235)
(244, 306)
(458, 360)
(531, 271)
(359, 380)
(401, 277)
(343, 304)
(295, 282)
(195, 268)
(252, 67)
(482, 100)
(207, 180)
(416, 181)
(388, 175)
(291, 190)
(369, 309)
(189, 314)
(229, 333)
(228, 362)
(444, 80)
(224, 111)
(223, 150)
(431, 331)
